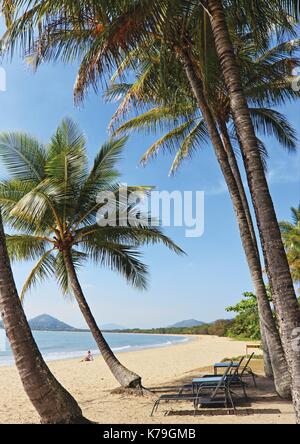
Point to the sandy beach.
(91, 384)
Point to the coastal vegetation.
(245, 325)
(291, 238)
(217, 328)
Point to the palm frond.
(107, 158)
(134, 93)
(23, 156)
(68, 136)
(102, 177)
(40, 203)
(67, 163)
(43, 269)
(120, 258)
(7, 8)
(132, 235)
(295, 215)
(25, 247)
(192, 142)
(61, 273)
(272, 123)
(11, 191)
(156, 119)
(291, 237)
(168, 142)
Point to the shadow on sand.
(264, 394)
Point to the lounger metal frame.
(199, 397)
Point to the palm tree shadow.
(264, 394)
(222, 412)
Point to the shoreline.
(91, 384)
(122, 349)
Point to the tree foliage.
(51, 202)
(246, 322)
(291, 238)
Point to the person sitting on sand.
(89, 357)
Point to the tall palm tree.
(51, 200)
(188, 131)
(291, 237)
(52, 402)
(277, 264)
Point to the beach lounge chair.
(213, 379)
(233, 377)
(206, 392)
(247, 371)
(235, 366)
(223, 365)
(237, 376)
(221, 393)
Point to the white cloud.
(284, 172)
(217, 190)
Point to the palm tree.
(176, 109)
(51, 200)
(108, 34)
(277, 264)
(291, 237)
(188, 131)
(99, 33)
(53, 403)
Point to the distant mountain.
(112, 327)
(187, 323)
(47, 322)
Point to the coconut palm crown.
(161, 100)
(51, 201)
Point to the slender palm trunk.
(275, 256)
(268, 368)
(53, 403)
(251, 250)
(125, 377)
(236, 172)
(269, 333)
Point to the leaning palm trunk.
(53, 403)
(275, 257)
(125, 377)
(269, 333)
(281, 376)
(272, 325)
(268, 368)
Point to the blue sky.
(214, 273)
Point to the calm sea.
(67, 345)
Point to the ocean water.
(68, 345)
